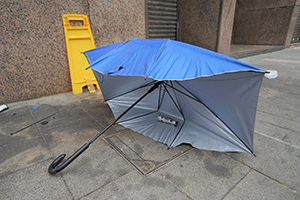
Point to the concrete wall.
(33, 56)
(262, 22)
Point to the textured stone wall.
(262, 22)
(199, 21)
(33, 55)
(207, 24)
(117, 20)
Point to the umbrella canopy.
(202, 98)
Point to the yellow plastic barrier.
(78, 40)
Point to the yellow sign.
(79, 39)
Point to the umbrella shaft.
(148, 92)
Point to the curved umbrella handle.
(54, 168)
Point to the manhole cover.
(146, 165)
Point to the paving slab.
(33, 182)
(100, 111)
(143, 153)
(96, 167)
(88, 109)
(148, 148)
(283, 105)
(278, 106)
(68, 138)
(25, 152)
(279, 121)
(26, 146)
(68, 131)
(15, 118)
(293, 138)
(204, 174)
(258, 186)
(65, 132)
(134, 186)
(271, 129)
(277, 160)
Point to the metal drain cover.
(146, 165)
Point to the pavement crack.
(67, 186)
(260, 172)
(285, 136)
(237, 183)
(108, 183)
(164, 177)
(36, 122)
(278, 140)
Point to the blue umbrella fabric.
(204, 98)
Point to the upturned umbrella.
(177, 93)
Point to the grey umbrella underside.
(207, 109)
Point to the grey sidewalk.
(123, 164)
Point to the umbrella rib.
(176, 98)
(159, 104)
(160, 97)
(198, 100)
(178, 132)
(177, 106)
(137, 116)
(192, 97)
(179, 109)
(148, 84)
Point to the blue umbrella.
(177, 93)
